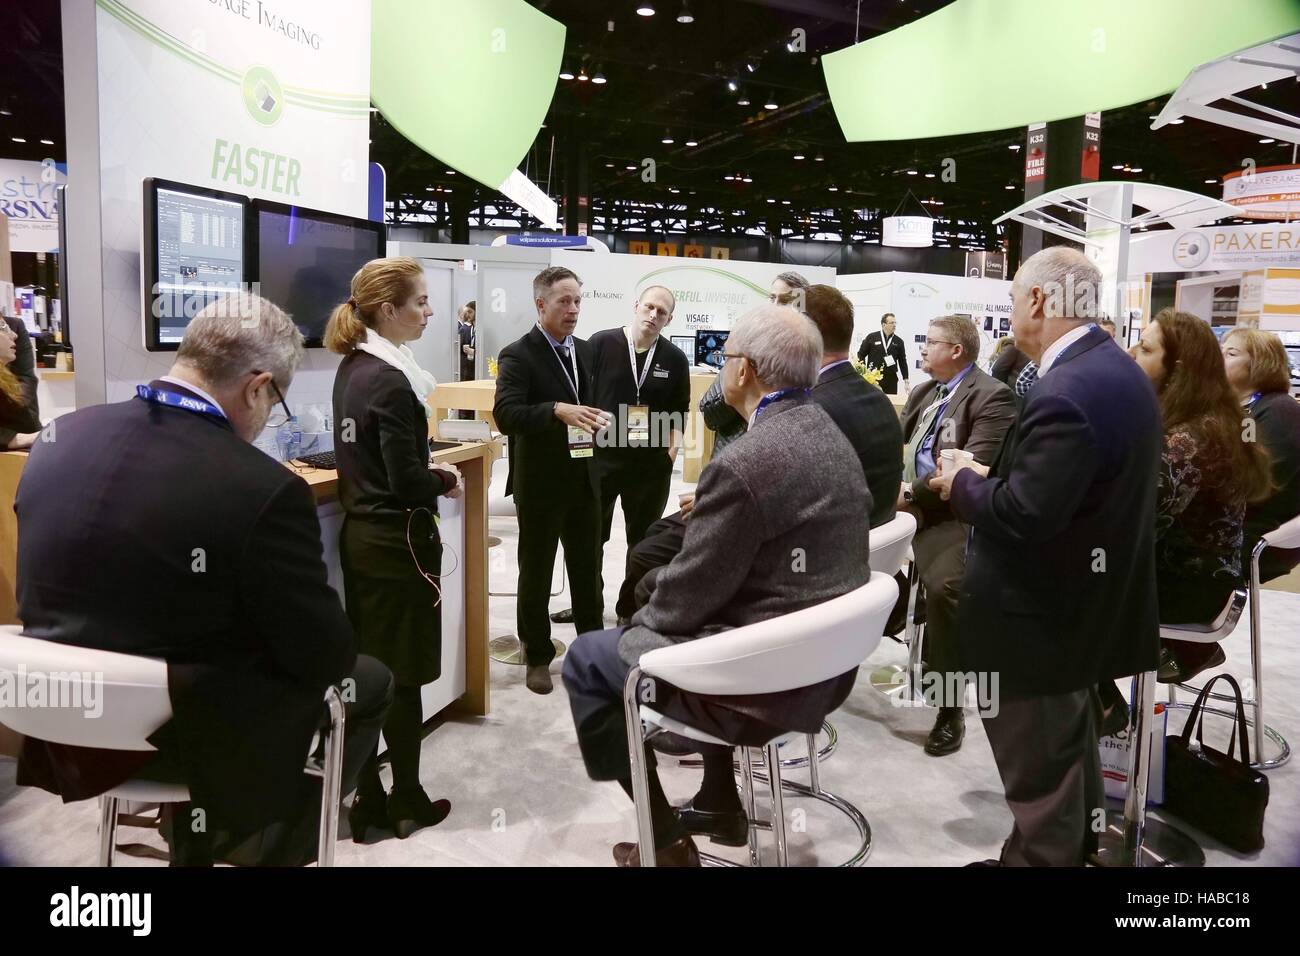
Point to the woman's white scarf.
(402, 359)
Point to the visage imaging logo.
(75, 909)
(263, 96)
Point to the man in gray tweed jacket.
(780, 523)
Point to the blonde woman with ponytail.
(390, 549)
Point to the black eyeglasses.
(275, 420)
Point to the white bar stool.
(132, 701)
(784, 653)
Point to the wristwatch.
(907, 493)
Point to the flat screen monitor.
(1293, 357)
(305, 259)
(686, 343)
(708, 347)
(195, 251)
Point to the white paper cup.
(954, 458)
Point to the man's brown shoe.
(681, 853)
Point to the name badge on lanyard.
(158, 396)
(889, 359)
(638, 415)
(581, 443)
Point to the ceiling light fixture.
(685, 16)
(668, 139)
(911, 172)
(834, 189)
(1014, 147)
(6, 113)
(728, 178)
(731, 85)
(770, 104)
(750, 67)
(1118, 166)
(1011, 187)
(798, 156)
(1268, 139)
(645, 10)
(1176, 122)
(929, 175)
(1211, 182)
(743, 101)
(771, 200)
(47, 142)
(692, 142)
(748, 179)
(785, 202)
(582, 75)
(1137, 169)
(566, 74)
(19, 139)
(599, 79)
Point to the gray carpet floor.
(520, 796)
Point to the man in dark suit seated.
(153, 527)
(1060, 586)
(863, 413)
(960, 407)
(792, 486)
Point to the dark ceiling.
(670, 80)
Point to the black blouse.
(381, 440)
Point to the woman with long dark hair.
(1208, 474)
(390, 549)
(19, 424)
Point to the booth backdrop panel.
(179, 87)
(916, 299)
(711, 293)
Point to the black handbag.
(1219, 795)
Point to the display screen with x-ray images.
(709, 345)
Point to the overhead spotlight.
(819, 158)
(451, 172)
(748, 179)
(1014, 147)
(728, 178)
(673, 189)
(599, 79)
(1137, 169)
(1267, 139)
(1010, 187)
(731, 85)
(446, 189)
(785, 202)
(750, 67)
(566, 74)
(1263, 86)
(609, 165)
(1211, 182)
(668, 139)
(685, 16)
(911, 172)
(428, 189)
(6, 113)
(798, 156)
(630, 168)
(47, 142)
(743, 101)
(833, 189)
(771, 200)
(582, 75)
(929, 175)
(19, 139)
(645, 9)
(692, 142)
(1175, 122)
(1118, 166)
(770, 104)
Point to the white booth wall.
(917, 298)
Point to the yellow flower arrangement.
(870, 374)
(492, 367)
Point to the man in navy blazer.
(1060, 585)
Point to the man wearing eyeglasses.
(960, 407)
(153, 527)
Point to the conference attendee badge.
(638, 423)
(581, 443)
(889, 361)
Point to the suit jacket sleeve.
(723, 536)
(512, 410)
(862, 349)
(289, 601)
(1056, 458)
(718, 415)
(990, 422)
(398, 417)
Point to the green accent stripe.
(718, 272)
(319, 101)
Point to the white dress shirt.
(1053, 351)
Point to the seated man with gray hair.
(153, 527)
(780, 524)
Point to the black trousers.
(569, 516)
(367, 695)
(662, 542)
(641, 483)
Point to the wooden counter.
(477, 395)
(475, 464)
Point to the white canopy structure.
(1111, 211)
(1228, 77)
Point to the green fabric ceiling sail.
(979, 65)
(468, 81)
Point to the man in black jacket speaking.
(153, 527)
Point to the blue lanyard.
(158, 396)
(772, 397)
(1252, 400)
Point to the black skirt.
(393, 607)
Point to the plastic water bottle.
(289, 439)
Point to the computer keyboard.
(326, 461)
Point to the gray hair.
(1069, 279)
(239, 333)
(962, 331)
(794, 280)
(785, 347)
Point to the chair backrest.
(1286, 535)
(75, 695)
(1224, 623)
(890, 541)
(783, 653)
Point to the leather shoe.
(538, 679)
(947, 733)
(563, 617)
(726, 828)
(680, 853)
(1174, 671)
(672, 745)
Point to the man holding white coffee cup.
(961, 415)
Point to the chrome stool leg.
(637, 760)
(894, 680)
(778, 804)
(107, 829)
(1130, 839)
(747, 787)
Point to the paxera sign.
(1268, 192)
